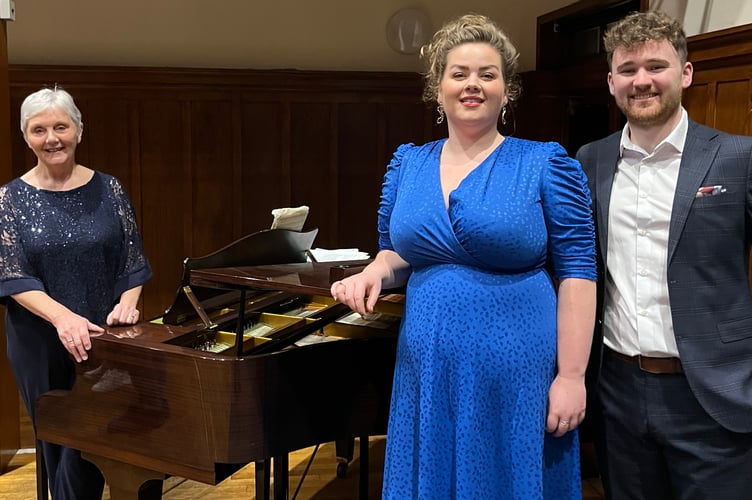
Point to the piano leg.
(363, 483)
(344, 449)
(42, 481)
(263, 478)
(281, 477)
(126, 481)
(281, 485)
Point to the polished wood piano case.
(199, 394)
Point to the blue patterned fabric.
(477, 347)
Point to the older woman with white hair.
(72, 262)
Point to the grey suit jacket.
(708, 264)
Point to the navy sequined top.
(82, 247)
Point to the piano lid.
(270, 246)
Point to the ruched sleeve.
(568, 213)
(389, 194)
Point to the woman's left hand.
(123, 315)
(566, 404)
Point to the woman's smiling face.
(52, 136)
(472, 89)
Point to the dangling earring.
(440, 119)
(504, 115)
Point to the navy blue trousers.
(40, 364)
(660, 444)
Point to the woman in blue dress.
(71, 261)
(493, 238)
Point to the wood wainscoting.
(721, 91)
(9, 411)
(205, 155)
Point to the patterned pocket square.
(709, 191)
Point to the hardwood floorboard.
(320, 482)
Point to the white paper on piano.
(292, 218)
(324, 255)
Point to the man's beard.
(652, 115)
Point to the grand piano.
(252, 360)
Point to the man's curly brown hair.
(641, 27)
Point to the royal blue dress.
(82, 247)
(476, 352)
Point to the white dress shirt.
(637, 316)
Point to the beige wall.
(702, 16)
(302, 34)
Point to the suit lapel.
(699, 152)
(607, 158)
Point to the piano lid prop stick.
(199, 309)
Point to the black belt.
(658, 366)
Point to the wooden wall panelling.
(313, 136)
(733, 110)
(721, 93)
(214, 201)
(9, 406)
(699, 101)
(106, 134)
(407, 122)
(264, 162)
(22, 159)
(360, 155)
(166, 197)
(720, 98)
(540, 113)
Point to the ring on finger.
(565, 423)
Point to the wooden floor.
(320, 481)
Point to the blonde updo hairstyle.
(470, 28)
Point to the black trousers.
(660, 444)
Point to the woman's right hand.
(73, 332)
(72, 329)
(359, 291)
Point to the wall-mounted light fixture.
(407, 30)
(8, 10)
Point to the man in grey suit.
(672, 201)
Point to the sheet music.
(290, 218)
(339, 254)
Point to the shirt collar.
(675, 140)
